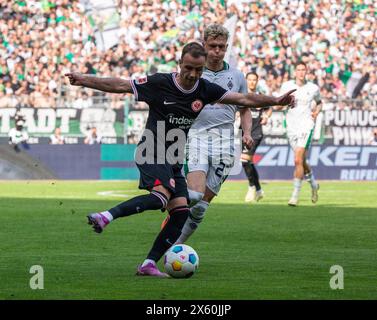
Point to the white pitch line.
(112, 193)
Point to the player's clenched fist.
(247, 140)
(75, 78)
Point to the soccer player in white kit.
(300, 122)
(210, 148)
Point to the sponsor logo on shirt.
(169, 102)
(181, 122)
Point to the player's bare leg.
(196, 183)
(309, 176)
(298, 175)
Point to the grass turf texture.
(266, 250)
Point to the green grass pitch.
(266, 250)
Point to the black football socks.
(153, 201)
(170, 233)
(252, 174)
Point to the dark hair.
(252, 73)
(195, 49)
(300, 63)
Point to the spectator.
(18, 136)
(41, 40)
(92, 137)
(83, 101)
(373, 139)
(56, 137)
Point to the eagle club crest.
(197, 105)
(141, 80)
(172, 182)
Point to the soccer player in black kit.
(175, 100)
(259, 118)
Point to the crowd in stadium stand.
(41, 40)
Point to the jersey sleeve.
(213, 92)
(243, 86)
(145, 88)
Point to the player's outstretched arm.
(279, 108)
(113, 85)
(253, 100)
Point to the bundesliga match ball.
(181, 261)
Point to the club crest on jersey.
(141, 80)
(230, 84)
(172, 183)
(197, 105)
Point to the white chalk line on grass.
(117, 193)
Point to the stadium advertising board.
(349, 127)
(74, 123)
(337, 127)
(116, 161)
(328, 161)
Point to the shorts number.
(220, 170)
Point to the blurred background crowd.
(41, 40)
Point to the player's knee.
(246, 159)
(160, 201)
(299, 161)
(195, 197)
(245, 164)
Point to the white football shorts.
(300, 139)
(213, 155)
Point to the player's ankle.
(148, 261)
(107, 215)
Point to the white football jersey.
(300, 117)
(219, 115)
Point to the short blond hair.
(215, 30)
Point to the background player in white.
(300, 123)
(210, 152)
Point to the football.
(181, 261)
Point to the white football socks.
(310, 178)
(296, 187)
(193, 221)
(107, 215)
